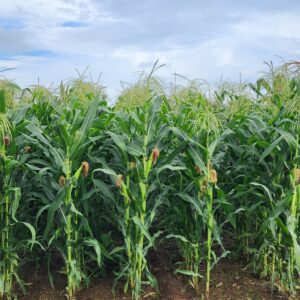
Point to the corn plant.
(64, 141)
(137, 142)
(6, 267)
(261, 178)
(13, 243)
(200, 127)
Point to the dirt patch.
(229, 282)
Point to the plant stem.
(209, 234)
(68, 202)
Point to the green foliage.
(96, 187)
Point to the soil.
(229, 282)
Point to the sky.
(47, 41)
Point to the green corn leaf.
(194, 201)
(96, 246)
(188, 273)
(291, 225)
(143, 229)
(2, 102)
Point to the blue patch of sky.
(74, 24)
(40, 53)
(9, 24)
(6, 57)
(32, 53)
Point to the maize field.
(90, 190)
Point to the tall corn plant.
(64, 141)
(13, 238)
(284, 135)
(6, 267)
(137, 141)
(194, 203)
(261, 179)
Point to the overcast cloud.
(198, 39)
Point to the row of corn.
(207, 174)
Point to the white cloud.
(119, 38)
(43, 24)
(265, 25)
